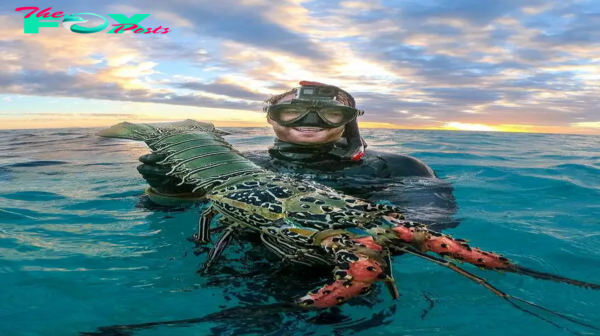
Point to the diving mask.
(290, 113)
(313, 105)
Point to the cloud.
(592, 124)
(427, 64)
(61, 84)
(247, 22)
(222, 88)
(106, 67)
(475, 12)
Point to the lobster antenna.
(251, 311)
(486, 284)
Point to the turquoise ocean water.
(79, 248)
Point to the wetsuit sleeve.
(419, 191)
(428, 201)
(403, 166)
(163, 189)
(167, 190)
(156, 175)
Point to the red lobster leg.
(355, 274)
(425, 240)
(460, 250)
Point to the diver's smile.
(308, 129)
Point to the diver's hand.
(156, 177)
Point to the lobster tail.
(196, 151)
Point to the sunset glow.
(468, 66)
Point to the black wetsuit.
(378, 177)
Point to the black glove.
(156, 177)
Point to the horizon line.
(394, 127)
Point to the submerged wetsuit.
(401, 180)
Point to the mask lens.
(334, 116)
(338, 115)
(285, 114)
(289, 114)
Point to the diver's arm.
(397, 165)
(429, 201)
(165, 190)
(425, 197)
(156, 175)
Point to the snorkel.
(315, 104)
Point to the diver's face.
(306, 135)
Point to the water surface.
(81, 248)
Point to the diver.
(317, 138)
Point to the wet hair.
(275, 99)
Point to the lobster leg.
(391, 285)
(455, 268)
(425, 240)
(203, 235)
(358, 267)
(218, 249)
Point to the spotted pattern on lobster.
(308, 224)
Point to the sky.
(497, 65)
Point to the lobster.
(308, 224)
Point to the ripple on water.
(12, 214)
(33, 196)
(101, 164)
(37, 164)
(80, 249)
(461, 156)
